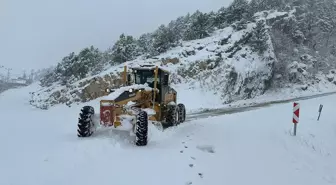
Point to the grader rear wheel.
(172, 115)
(181, 112)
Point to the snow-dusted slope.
(256, 147)
(223, 65)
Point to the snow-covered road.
(254, 147)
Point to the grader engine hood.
(127, 92)
(111, 106)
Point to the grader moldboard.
(145, 97)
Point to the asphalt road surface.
(223, 111)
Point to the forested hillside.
(283, 42)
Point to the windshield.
(142, 77)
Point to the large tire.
(141, 129)
(172, 115)
(85, 122)
(181, 112)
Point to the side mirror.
(165, 80)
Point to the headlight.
(108, 90)
(131, 90)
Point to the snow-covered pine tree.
(145, 43)
(254, 7)
(220, 18)
(327, 24)
(124, 49)
(211, 20)
(90, 59)
(107, 56)
(65, 68)
(179, 27)
(200, 26)
(316, 21)
(237, 10)
(259, 38)
(163, 39)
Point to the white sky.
(39, 33)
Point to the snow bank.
(257, 145)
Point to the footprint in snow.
(188, 183)
(206, 148)
(191, 165)
(200, 174)
(193, 158)
(185, 146)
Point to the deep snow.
(256, 147)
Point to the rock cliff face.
(239, 73)
(82, 91)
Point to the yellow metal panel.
(169, 97)
(116, 124)
(152, 118)
(155, 82)
(125, 75)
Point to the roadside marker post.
(296, 115)
(320, 111)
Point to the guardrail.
(5, 86)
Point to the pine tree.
(90, 60)
(163, 39)
(220, 18)
(145, 43)
(124, 49)
(65, 68)
(200, 26)
(259, 38)
(254, 7)
(237, 10)
(179, 27)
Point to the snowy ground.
(254, 147)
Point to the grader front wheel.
(141, 129)
(85, 122)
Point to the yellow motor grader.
(145, 97)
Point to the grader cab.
(145, 97)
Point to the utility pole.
(8, 74)
(2, 78)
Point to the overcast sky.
(38, 33)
